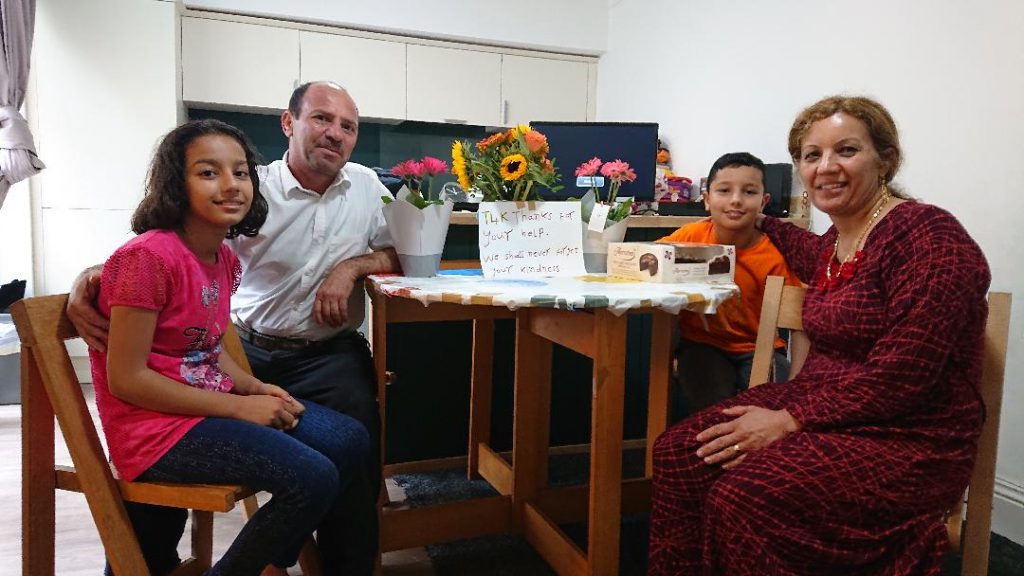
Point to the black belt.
(268, 342)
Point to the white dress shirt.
(306, 234)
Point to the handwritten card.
(530, 239)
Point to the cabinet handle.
(454, 121)
(504, 112)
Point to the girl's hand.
(293, 405)
(268, 410)
(752, 428)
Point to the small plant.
(616, 172)
(415, 173)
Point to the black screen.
(573, 143)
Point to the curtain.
(18, 158)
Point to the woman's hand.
(752, 428)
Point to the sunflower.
(459, 165)
(513, 166)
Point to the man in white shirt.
(299, 304)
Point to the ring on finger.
(736, 448)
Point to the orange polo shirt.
(734, 328)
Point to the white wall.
(574, 26)
(16, 236)
(725, 75)
(105, 86)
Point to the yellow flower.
(513, 133)
(513, 166)
(459, 165)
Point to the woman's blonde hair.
(879, 122)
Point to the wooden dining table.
(586, 314)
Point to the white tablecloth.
(591, 291)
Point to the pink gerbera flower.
(408, 169)
(589, 168)
(433, 166)
(618, 171)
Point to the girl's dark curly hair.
(166, 201)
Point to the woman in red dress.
(849, 467)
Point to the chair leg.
(202, 537)
(309, 560)
(37, 479)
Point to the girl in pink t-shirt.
(173, 408)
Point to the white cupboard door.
(238, 64)
(455, 86)
(543, 89)
(373, 71)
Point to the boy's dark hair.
(166, 201)
(734, 160)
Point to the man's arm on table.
(331, 306)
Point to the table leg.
(481, 384)
(659, 398)
(531, 416)
(606, 442)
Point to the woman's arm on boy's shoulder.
(801, 248)
(130, 379)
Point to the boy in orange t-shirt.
(715, 353)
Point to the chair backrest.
(782, 309)
(43, 327)
(50, 388)
(978, 525)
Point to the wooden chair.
(49, 388)
(782, 309)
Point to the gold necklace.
(857, 245)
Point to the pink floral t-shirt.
(156, 271)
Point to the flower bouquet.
(510, 165)
(418, 223)
(604, 220)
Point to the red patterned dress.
(890, 411)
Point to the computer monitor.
(573, 143)
(778, 181)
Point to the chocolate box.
(672, 262)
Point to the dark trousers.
(304, 470)
(338, 374)
(707, 375)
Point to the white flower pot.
(595, 245)
(418, 235)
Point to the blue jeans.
(337, 374)
(303, 469)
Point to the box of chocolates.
(675, 263)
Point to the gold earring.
(803, 201)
